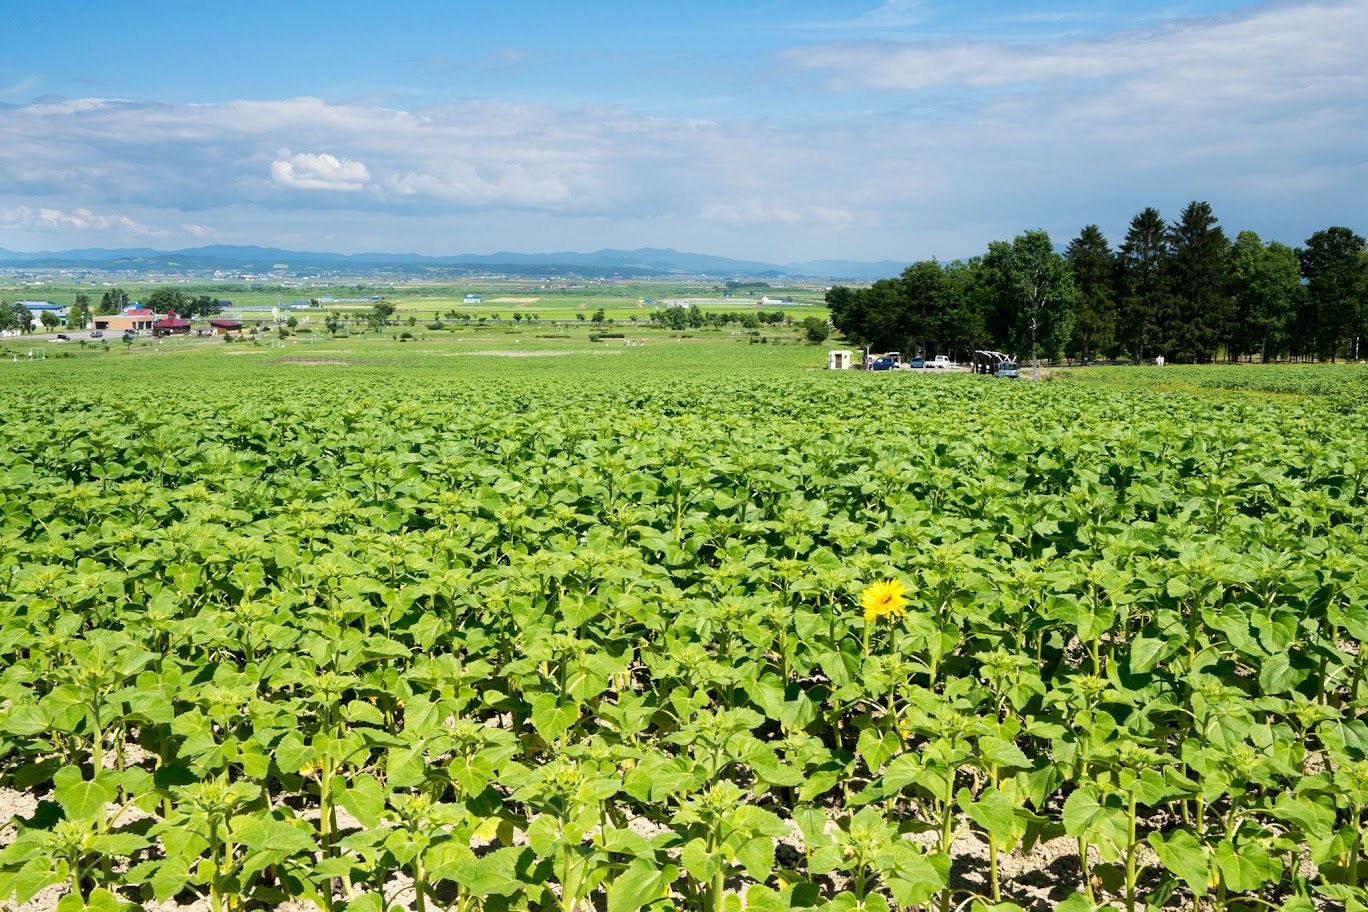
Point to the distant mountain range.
(641, 262)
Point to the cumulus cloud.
(307, 171)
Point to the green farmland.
(533, 300)
(518, 623)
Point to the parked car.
(884, 363)
(1008, 370)
(941, 362)
(917, 361)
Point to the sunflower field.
(659, 632)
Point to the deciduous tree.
(1335, 265)
(165, 300)
(815, 330)
(1037, 288)
(876, 316)
(1265, 286)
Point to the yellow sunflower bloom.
(883, 599)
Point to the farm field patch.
(496, 300)
(695, 626)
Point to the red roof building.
(171, 325)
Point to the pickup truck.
(941, 362)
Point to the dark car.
(884, 363)
(63, 337)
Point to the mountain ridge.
(656, 261)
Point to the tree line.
(1180, 289)
(694, 317)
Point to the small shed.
(839, 359)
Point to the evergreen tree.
(113, 301)
(1094, 273)
(1141, 264)
(1199, 319)
(80, 311)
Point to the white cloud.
(759, 214)
(458, 182)
(307, 171)
(890, 14)
(46, 219)
(927, 148)
(20, 87)
(1267, 47)
(893, 13)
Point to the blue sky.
(782, 130)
